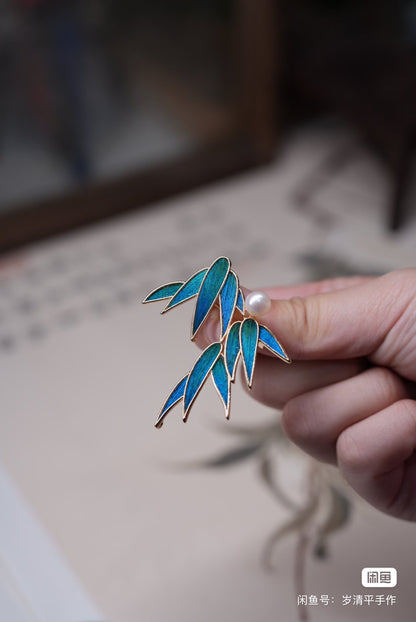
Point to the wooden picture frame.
(248, 141)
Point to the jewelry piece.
(240, 332)
(258, 303)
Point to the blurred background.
(138, 142)
(106, 106)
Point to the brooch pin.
(240, 332)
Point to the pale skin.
(348, 398)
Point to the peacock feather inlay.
(199, 374)
(163, 292)
(228, 300)
(175, 396)
(240, 302)
(240, 334)
(211, 287)
(222, 383)
(232, 349)
(267, 338)
(249, 337)
(188, 290)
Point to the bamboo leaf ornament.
(240, 333)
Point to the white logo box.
(379, 577)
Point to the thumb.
(345, 323)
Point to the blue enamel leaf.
(240, 302)
(249, 334)
(175, 396)
(228, 299)
(269, 340)
(163, 292)
(210, 288)
(199, 374)
(189, 289)
(232, 349)
(222, 383)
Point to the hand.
(347, 399)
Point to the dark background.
(107, 106)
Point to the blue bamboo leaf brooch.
(240, 332)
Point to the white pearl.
(258, 303)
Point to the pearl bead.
(258, 303)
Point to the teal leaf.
(232, 349)
(175, 396)
(249, 334)
(267, 338)
(163, 292)
(228, 299)
(188, 290)
(199, 374)
(240, 302)
(209, 290)
(222, 383)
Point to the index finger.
(211, 329)
(314, 287)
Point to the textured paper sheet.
(36, 584)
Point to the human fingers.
(316, 419)
(351, 322)
(211, 328)
(377, 457)
(315, 287)
(375, 318)
(275, 384)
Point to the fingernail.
(212, 330)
